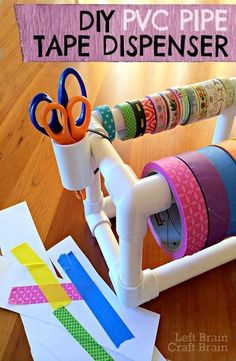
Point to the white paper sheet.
(43, 330)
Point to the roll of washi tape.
(161, 112)
(213, 104)
(202, 99)
(107, 120)
(221, 95)
(174, 109)
(193, 103)
(211, 185)
(226, 168)
(183, 229)
(229, 90)
(182, 96)
(150, 115)
(229, 146)
(129, 120)
(139, 116)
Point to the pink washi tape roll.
(174, 108)
(181, 230)
(161, 112)
(150, 115)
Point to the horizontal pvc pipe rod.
(187, 267)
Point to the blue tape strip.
(226, 168)
(111, 322)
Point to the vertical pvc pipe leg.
(93, 192)
(130, 265)
(223, 126)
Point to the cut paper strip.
(81, 335)
(42, 275)
(29, 295)
(108, 318)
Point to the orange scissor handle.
(64, 136)
(78, 131)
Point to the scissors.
(70, 132)
(54, 122)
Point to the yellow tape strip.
(42, 275)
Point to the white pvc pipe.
(93, 192)
(109, 207)
(187, 267)
(108, 245)
(130, 265)
(224, 124)
(104, 154)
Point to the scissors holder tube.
(74, 164)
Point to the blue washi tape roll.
(108, 318)
(226, 168)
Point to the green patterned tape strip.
(129, 119)
(96, 351)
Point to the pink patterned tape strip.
(26, 295)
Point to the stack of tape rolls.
(203, 187)
(165, 110)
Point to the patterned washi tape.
(182, 96)
(189, 211)
(202, 99)
(229, 90)
(226, 168)
(107, 120)
(174, 109)
(27, 295)
(129, 120)
(211, 185)
(139, 116)
(213, 105)
(193, 103)
(56, 296)
(150, 115)
(161, 112)
(221, 95)
(43, 276)
(81, 335)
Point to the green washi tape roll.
(129, 119)
(107, 120)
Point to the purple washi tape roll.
(182, 229)
(214, 193)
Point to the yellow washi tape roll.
(42, 275)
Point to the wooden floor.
(206, 304)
